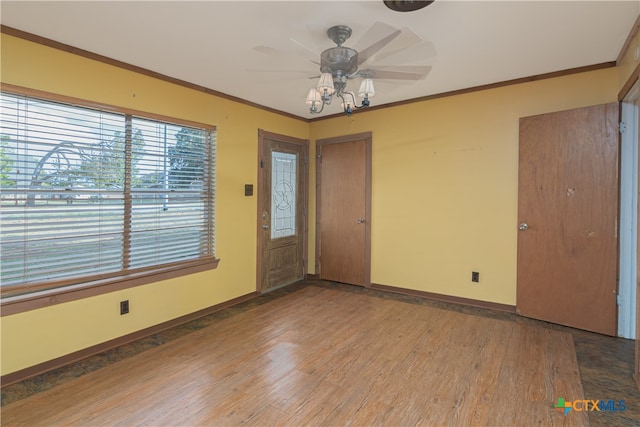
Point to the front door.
(343, 201)
(567, 214)
(282, 207)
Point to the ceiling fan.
(340, 63)
(377, 56)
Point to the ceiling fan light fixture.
(313, 97)
(347, 107)
(314, 100)
(346, 104)
(340, 64)
(366, 88)
(322, 94)
(325, 84)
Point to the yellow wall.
(629, 62)
(444, 192)
(445, 181)
(40, 335)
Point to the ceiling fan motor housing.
(339, 60)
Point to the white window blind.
(88, 194)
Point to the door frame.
(628, 222)
(367, 137)
(262, 136)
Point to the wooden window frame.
(43, 295)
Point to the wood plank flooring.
(322, 356)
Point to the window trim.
(31, 301)
(49, 96)
(99, 284)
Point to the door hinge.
(261, 164)
(619, 299)
(306, 160)
(319, 157)
(622, 127)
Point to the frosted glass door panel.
(283, 194)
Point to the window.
(88, 194)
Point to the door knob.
(265, 227)
(523, 226)
(360, 220)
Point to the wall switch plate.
(124, 307)
(248, 189)
(475, 276)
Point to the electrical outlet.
(475, 276)
(124, 307)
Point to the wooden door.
(343, 209)
(282, 210)
(567, 214)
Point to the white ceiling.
(233, 46)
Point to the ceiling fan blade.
(364, 55)
(378, 30)
(405, 40)
(407, 72)
(315, 37)
(302, 49)
(408, 47)
(422, 53)
(283, 59)
(273, 75)
(278, 70)
(377, 37)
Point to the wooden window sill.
(34, 300)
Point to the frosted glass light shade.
(366, 88)
(326, 83)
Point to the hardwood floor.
(330, 354)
